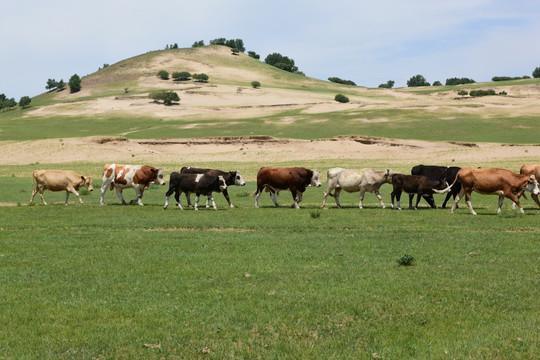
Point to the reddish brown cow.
(126, 176)
(502, 182)
(532, 169)
(295, 179)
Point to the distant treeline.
(506, 78)
(341, 81)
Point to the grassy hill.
(113, 101)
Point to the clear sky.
(368, 42)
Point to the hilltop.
(114, 103)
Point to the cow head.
(316, 178)
(160, 176)
(87, 182)
(532, 185)
(388, 176)
(222, 183)
(238, 180)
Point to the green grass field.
(91, 282)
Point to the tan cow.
(502, 182)
(356, 180)
(59, 180)
(139, 177)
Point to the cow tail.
(112, 186)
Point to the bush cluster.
(389, 84)
(482, 92)
(341, 81)
(506, 78)
(459, 81)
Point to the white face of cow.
(316, 178)
(222, 183)
(238, 180)
(160, 177)
(533, 187)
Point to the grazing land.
(93, 282)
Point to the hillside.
(287, 106)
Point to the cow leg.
(501, 200)
(468, 201)
(273, 197)
(73, 191)
(295, 198)
(411, 197)
(138, 200)
(120, 196)
(456, 200)
(104, 186)
(362, 193)
(41, 195)
(380, 198)
(418, 197)
(446, 199)
(211, 197)
(514, 198)
(226, 194)
(396, 194)
(430, 200)
(535, 198)
(336, 197)
(197, 202)
(325, 194)
(257, 195)
(33, 194)
(188, 198)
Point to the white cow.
(60, 180)
(356, 180)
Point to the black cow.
(419, 185)
(434, 172)
(194, 183)
(231, 178)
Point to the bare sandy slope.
(263, 151)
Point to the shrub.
(255, 84)
(166, 96)
(314, 214)
(281, 62)
(462, 93)
(437, 83)
(254, 55)
(25, 101)
(200, 77)
(406, 260)
(341, 98)
(181, 75)
(163, 75)
(536, 73)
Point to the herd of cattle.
(423, 182)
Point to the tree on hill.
(181, 75)
(74, 83)
(459, 81)
(163, 74)
(536, 73)
(281, 62)
(166, 96)
(25, 102)
(254, 55)
(198, 44)
(417, 80)
(6, 103)
(389, 84)
(341, 81)
(200, 77)
(53, 84)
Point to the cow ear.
(82, 178)
(154, 170)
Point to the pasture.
(91, 282)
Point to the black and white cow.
(231, 178)
(434, 172)
(194, 183)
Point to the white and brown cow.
(356, 180)
(139, 177)
(531, 169)
(59, 180)
(295, 179)
(502, 182)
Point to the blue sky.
(368, 42)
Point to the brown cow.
(531, 169)
(60, 180)
(502, 182)
(295, 179)
(417, 184)
(138, 177)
